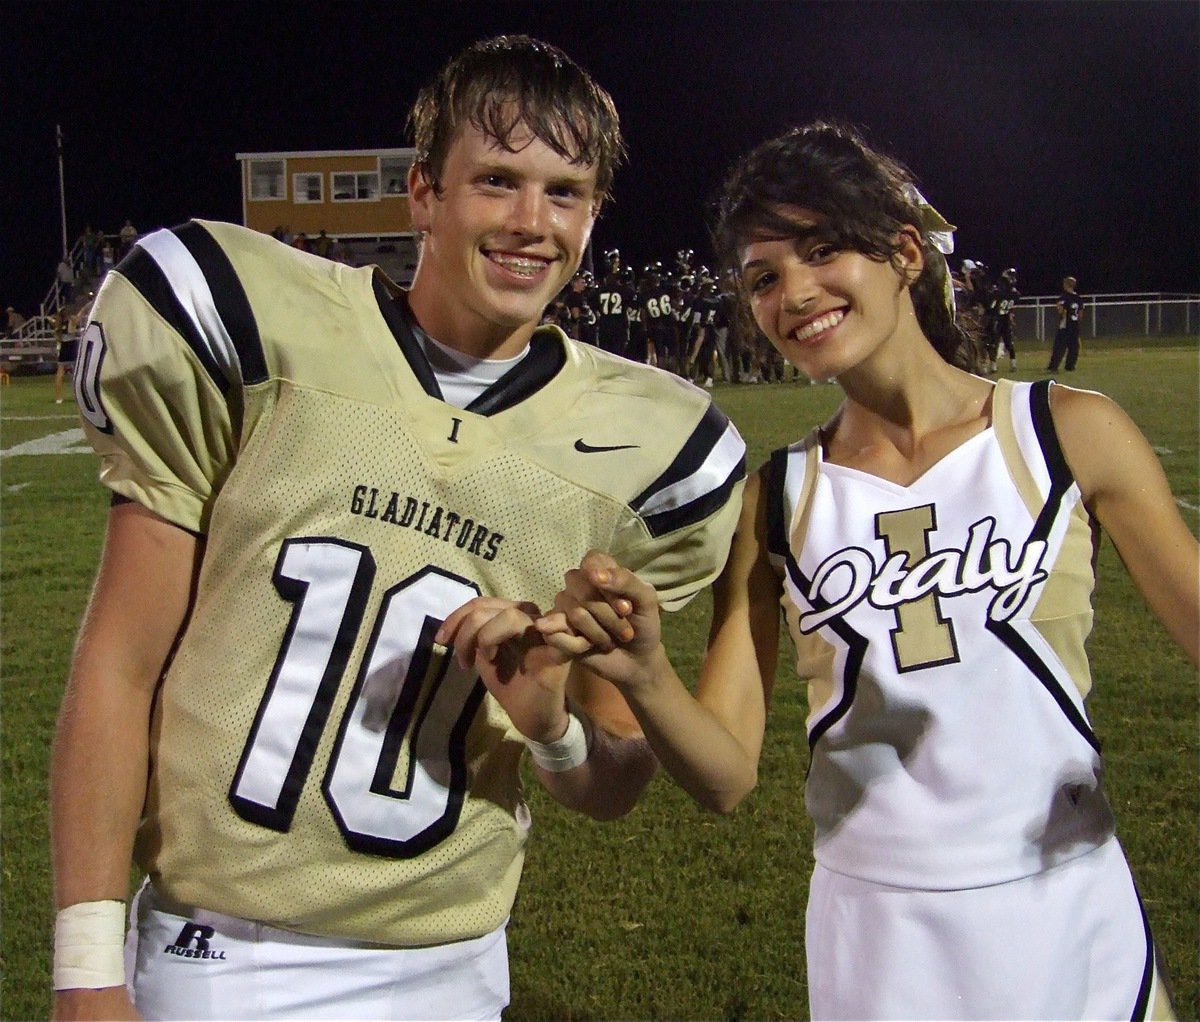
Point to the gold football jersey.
(317, 762)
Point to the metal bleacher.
(34, 347)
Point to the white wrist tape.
(569, 751)
(89, 946)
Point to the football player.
(612, 301)
(1066, 338)
(580, 303)
(657, 317)
(1003, 301)
(312, 472)
(638, 347)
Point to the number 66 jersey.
(316, 761)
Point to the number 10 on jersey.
(328, 583)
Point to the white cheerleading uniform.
(940, 629)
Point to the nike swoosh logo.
(584, 448)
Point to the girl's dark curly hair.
(865, 198)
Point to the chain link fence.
(1113, 315)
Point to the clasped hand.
(605, 618)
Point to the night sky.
(1060, 137)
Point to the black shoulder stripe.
(140, 269)
(691, 456)
(230, 298)
(1056, 462)
(776, 476)
(1043, 424)
(665, 522)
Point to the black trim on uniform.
(546, 358)
(279, 816)
(1061, 479)
(399, 319)
(141, 270)
(778, 515)
(696, 510)
(229, 297)
(1142, 1006)
(776, 476)
(856, 650)
(1007, 634)
(691, 456)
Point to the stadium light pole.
(62, 193)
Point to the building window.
(308, 188)
(394, 172)
(356, 187)
(266, 179)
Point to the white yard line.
(69, 441)
(38, 418)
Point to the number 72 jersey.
(318, 763)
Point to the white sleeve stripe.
(190, 286)
(713, 472)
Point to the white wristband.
(89, 946)
(569, 751)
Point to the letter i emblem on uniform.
(453, 437)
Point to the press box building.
(358, 196)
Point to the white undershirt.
(462, 378)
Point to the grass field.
(671, 913)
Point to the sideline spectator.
(89, 266)
(14, 321)
(107, 258)
(67, 340)
(322, 245)
(127, 237)
(66, 281)
(66, 333)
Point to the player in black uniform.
(1003, 300)
(581, 312)
(655, 303)
(984, 287)
(612, 301)
(1066, 339)
(637, 347)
